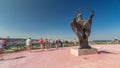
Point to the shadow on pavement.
(105, 52)
(13, 58)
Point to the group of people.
(44, 44)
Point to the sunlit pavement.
(108, 57)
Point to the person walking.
(28, 44)
(41, 42)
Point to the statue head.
(79, 16)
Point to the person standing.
(46, 44)
(57, 43)
(41, 41)
(50, 43)
(4, 43)
(28, 44)
(62, 43)
(1, 49)
(1, 46)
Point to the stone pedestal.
(78, 52)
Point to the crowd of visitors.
(29, 44)
(45, 44)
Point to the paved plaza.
(108, 57)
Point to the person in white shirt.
(28, 44)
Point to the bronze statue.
(82, 29)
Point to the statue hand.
(92, 15)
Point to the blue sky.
(52, 18)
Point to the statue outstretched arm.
(89, 22)
(91, 16)
(74, 25)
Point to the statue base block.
(79, 52)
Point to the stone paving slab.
(108, 57)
